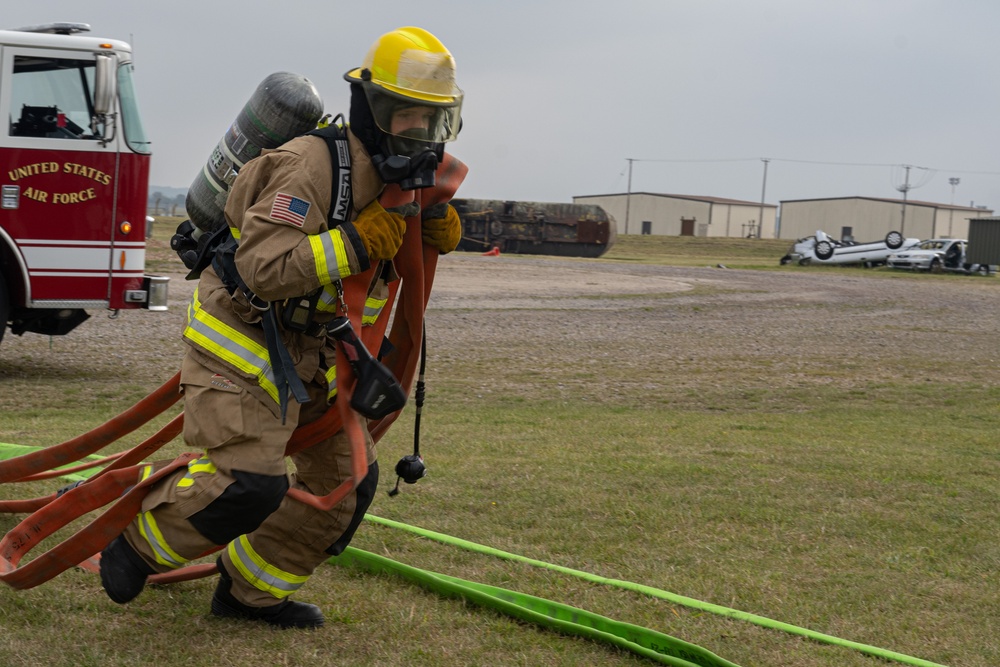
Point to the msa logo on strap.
(341, 207)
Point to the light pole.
(951, 214)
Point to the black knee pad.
(242, 507)
(366, 494)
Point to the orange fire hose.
(416, 264)
(69, 506)
(84, 445)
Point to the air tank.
(284, 106)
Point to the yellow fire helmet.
(410, 68)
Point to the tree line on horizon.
(159, 203)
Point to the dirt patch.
(704, 325)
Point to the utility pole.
(628, 197)
(763, 189)
(905, 188)
(951, 214)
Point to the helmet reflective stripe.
(202, 465)
(330, 256)
(161, 550)
(373, 307)
(229, 345)
(261, 574)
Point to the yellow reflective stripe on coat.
(331, 382)
(261, 574)
(330, 256)
(202, 465)
(229, 345)
(328, 300)
(373, 308)
(161, 550)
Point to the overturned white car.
(822, 249)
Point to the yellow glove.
(381, 231)
(442, 229)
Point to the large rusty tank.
(535, 228)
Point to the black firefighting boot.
(123, 571)
(285, 614)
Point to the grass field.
(800, 506)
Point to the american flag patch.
(290, 209)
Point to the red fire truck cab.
(74, 172)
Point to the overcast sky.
(837, 94)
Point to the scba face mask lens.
(401, 116)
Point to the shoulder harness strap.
(341, 202)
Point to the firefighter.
(404, 106)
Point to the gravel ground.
(702, 325)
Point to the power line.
(822, 162)
(738, 159)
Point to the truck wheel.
(824, 250)
(4, 308)
(893, 240)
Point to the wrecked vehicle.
(535, 228)
(823, 249)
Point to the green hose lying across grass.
(568, 620)
(655, 592)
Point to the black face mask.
(409, 162)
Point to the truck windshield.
(52, 97)
(135, 135)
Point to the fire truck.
(74, 172)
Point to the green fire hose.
(657, 593)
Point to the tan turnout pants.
(237, 432)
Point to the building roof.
(909, 202)
(709, 200)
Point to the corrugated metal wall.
(984, 241)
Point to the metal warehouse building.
(685, 215)
(866, 219)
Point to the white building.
(866, 219)
(685, 215)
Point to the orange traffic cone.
(492, 252)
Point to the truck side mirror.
(106, 84)
(105, 94)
